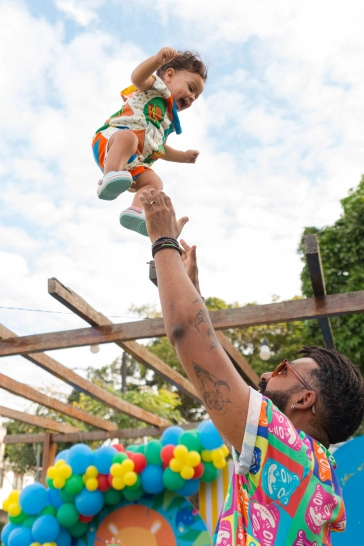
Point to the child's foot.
(134, 218)
(113, 184)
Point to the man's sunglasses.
(283, 366)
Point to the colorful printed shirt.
(284, 491)
(152, 116)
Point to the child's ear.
(169, 74)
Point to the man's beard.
(279, 398)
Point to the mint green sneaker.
(134, 218)
(113, 184)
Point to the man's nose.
(266, 376)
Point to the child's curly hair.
(186, 60)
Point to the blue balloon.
(62, 455)
(20, 537)
(45, 529)
(54, 498)
(89, 503)
(171, 435)
(6, 530)
(79, 457)
(190, 487)
(210, 437)
(152, 479)
(33, 499)
(103, 458)
(202, 424)
(64, 538)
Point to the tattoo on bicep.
(215, 391)
(205, 329)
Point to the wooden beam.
(31, 394)
(223, 319)
(243, 367)
(84, 385)
(35, 420)
(80, 307)
(49, 454)
(314, 264)
(91, 436)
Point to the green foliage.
(342, 254)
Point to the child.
(149, 115)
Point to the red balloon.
(119, 447)
(167, 453)
(140, 462)
(85, 519)
(110, 479)
(199, 470)
(129, 453)
(103, 480)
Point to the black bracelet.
(164, 238)
(163, 246)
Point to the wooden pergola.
(101, 330)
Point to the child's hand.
(191, 156)
(165, 55)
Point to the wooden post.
(49, 453)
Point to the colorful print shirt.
(284, 491)
(152, 116)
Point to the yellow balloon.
(180, 452)
(187, 472)
(193, 458)
(130, 478)
(217, 455)
(14, 495)
(59, 482)
(175, 465)
(52, 472)
(65, 471)
(35, 544)
(84, 479)
(118, 483)
(206, 456)
(92, 484)
(92, 472)
(14, 510)
(220, 464)
(225, 450)
(6, 505)
(60, 462)
(116, 471)
(127, 466)
(49, 544)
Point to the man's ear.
(308, 401)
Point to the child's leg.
(121, 147)
(133, 218)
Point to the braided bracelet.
(165, 244)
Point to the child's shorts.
(100, 147)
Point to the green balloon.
(18, 519)
(133, 447)
(135, 486)
(67, 515)
(210, 474)
(133, 495)
(49, 483)
(112, 496)
(74, 485)
(172, 480)
(78, 530)
(49, 511)
(66, 497)
(191, 439)
(119, 457)
(29, 520)
(141, 448)
(153, 452)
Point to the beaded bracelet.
(167, 243)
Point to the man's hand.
(160, 215)
(191, 156)
(190, 262)
(166, 55)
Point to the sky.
(277, 128)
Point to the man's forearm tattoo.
(215, 391)
(204, 328)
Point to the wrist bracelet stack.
(165, 242)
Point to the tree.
(342, 253)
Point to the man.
(284, 490)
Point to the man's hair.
(340, 391)
(186, 60)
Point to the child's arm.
(178, 156)
(142, 75)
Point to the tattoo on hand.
(205, 329)
(215, 391)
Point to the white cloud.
(82, 12)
